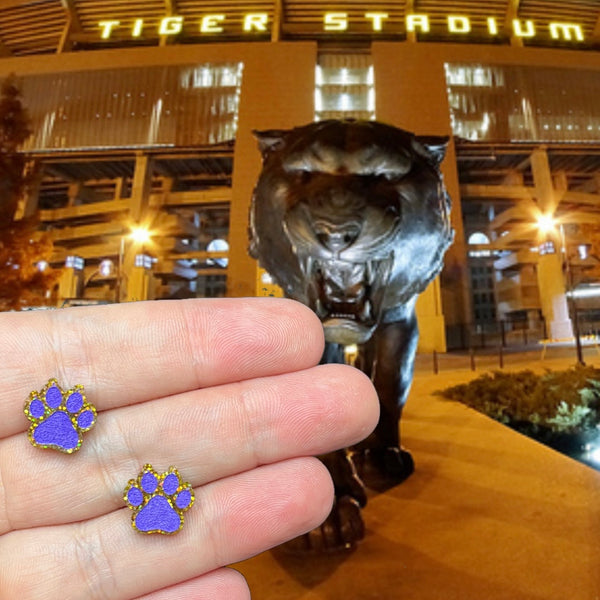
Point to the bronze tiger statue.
(352, 219)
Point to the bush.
(559, 408)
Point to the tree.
(22, 247)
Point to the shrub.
(560, 408)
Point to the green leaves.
(556, 401)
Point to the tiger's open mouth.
(346, 296)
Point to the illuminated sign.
(338, 22)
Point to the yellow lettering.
(210, 23)
(170, 25)
(417, 21)
(518, 30)
(107, 27)
(458, 24)
(256, 22)
(377, 18)
(335, 21)
(492, 26)
(564, 31)
(136, 30)
(340, 21)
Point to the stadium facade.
(143, 115)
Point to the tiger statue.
(352, 219)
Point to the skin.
(226, 390)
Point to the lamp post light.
(105, 269)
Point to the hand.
(227, 391)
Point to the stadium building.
(143, 115)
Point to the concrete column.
(277, 93)
(141, 186)
(140, 283)
(552, 295)
(550, 276)
(135, 281)
(28, 203)
(432, 330)
(69, 284)
(409, 82)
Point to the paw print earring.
(59, 418)
(158, 501)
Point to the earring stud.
(59, 418)
(158, 501)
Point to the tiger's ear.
(270, 140)
(432, 147)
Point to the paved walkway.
(488, 514)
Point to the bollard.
(435, 363)
(472, 358)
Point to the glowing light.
(106, 28)
(592, 453)
(341, 22)
(318, 75)
(458, 24)
(211, 24)
(377, 18)
(546, 223)
(492, 26)
(140, 235)
(318, 100)
(583, 251)
(138, 26)
(417, 21)
(74, 262)
(519, 31)
(170, 26)
(566, 31)
(590, 292)
(256, 22)
(106, 267)
(345, 103)
(218, 245)
(335, 21)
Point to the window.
(344, 87)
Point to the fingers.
(128, 353)
(225, 584)
(207, 434)
(231, 520)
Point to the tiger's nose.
(337, 237)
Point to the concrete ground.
(488, 514)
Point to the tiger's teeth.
(319, 310)
(371, 272)
(366, 311)
(309, 264)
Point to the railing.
(491, 334)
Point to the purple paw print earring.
(58, 418)
(158, 501)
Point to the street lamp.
(140, 235)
